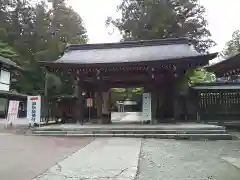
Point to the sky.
(222, 16)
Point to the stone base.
(105, 119)
(181, 131)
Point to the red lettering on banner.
(13, 108)
(34, 98)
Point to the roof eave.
(203, 58)
(124, 44)
(223, 67)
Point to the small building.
(7, 67)
(156, 65)
(220, 100)
(227, 67)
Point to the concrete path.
(189, 160)
(111, 159)
(233, 161)
(51, 158)
(25, 157)
(17, 122)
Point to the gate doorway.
(128, 103)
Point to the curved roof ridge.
(128, 44)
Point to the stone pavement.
(188, 160)
(25, 157)
(118, 159)
(111, 159)
(233, 161)
(51, 158)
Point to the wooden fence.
(218, 101)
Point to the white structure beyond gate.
(135, 117)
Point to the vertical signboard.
(146, 107)
(34, 109)
(12, 111)
(89, 102)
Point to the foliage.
(200, 75)
(118, 90)
(233, 46)
(149, 19)
(34, 32)
(7, 51)
(127, 93)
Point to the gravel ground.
(188, 160)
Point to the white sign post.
(146, 107)
(34, 110)
(12, 112)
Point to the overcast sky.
(222, 16)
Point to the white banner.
(12, 111)
(34, 109)
(146, 107)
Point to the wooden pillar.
(152, 88)
(160, 101)
(99, 98)
(178, 89)
(99, 104)
(79, 108)
(45, 98)
(106, 105)
(175, 95)
(154, 105)
(110, 105)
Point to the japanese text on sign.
(34, 109)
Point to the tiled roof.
(136, 51)
(217, 86)
(225, 66)
(7, 62)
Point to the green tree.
(38, 33)
(7, 51)
(200, 75)
(148, 19)
(233, 46)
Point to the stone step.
(133, 131)
(129, 128)
(160, 136)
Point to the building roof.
(12, 95)
(216, 86)
(225, 67)
(8, 62)
(129, 52)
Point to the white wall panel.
(4, 87)
(5, 77)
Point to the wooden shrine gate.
(156, 65)
(217, 101)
